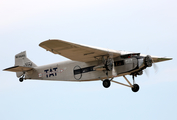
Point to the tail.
(22, 60)
(22, 64)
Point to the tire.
(106, 83)
(21, 79)
(135, 88)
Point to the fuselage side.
(80, 71)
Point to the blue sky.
(147, 26)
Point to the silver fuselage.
(81, 71)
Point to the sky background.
(145, 26)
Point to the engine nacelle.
(148, 61)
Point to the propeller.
(149, 62)
(146, 72)
(114, 72)
(153, 64)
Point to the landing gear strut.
(134, 87)
(21, 78)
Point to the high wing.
(85, 53)
(76, 52)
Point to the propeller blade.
(146, 72)
(114, 73)
(155, 66)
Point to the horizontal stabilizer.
(18, 69)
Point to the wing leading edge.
(85, 53)
(76, 52)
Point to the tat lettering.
(51, 72)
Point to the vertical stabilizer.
(22, 60)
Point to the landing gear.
(106, 83)
(22, 78)
(135, 88)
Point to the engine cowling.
(148, 61)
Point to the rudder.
(22, 60)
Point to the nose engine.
(143, 63)
(148, 61)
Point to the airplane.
(86, 63)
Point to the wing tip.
(167, 58)
(162, 59)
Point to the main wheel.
(106, 83)
(135, 88)
(21, 79)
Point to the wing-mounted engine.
(107, 64)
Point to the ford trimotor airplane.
(86, 64)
